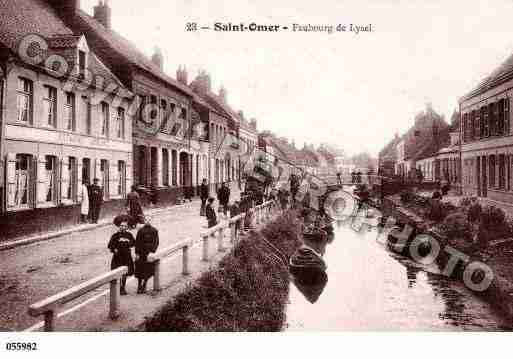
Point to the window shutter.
(506, 116)
(129, 176)
(64, 179)
(79, 180)
(113, 178)
(11, 180)
(40, 181)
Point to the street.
(34, 272)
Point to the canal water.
(368, 288)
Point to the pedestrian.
(204, 194)
(134, 208)
(95, 200)
(223, 196)
(84, 206)
(235, 211)
(146, 242)
(211, 213)
(120, 245)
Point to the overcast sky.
(351, 90)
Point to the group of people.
(207, 203)
(92, 200)
(145, 242)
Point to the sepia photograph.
(255, 166)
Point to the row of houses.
(474, 151)
(79, 101)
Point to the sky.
(352, 90)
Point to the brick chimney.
(66, 9)
(202, 84)
(103, 13)
(182, 75)
(223, 94)
(158, 59)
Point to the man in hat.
(96, 200)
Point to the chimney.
(202, 83)
(182, 75)
(66, 9)
(222, 94)
(253, 123)
(158, 59)
(102, 13)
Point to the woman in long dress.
(120, 245)
(84, 206)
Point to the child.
(120, 245)
(235, 211)
(211, 213)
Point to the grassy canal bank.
(479, 234)
(247, 291)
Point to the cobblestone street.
(36, 271)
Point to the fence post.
(220, 239)
(233, 232)
(205, 248)
(50, 321)
(114, 298)
(185, 260)
(156, 276)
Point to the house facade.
(60, 126)
(485, 132)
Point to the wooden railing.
(49, 306)
(157, 257)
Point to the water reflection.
(370, 288)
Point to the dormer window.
(82, 63)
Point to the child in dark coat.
(147, 241)
(211, 213)
(120, 245)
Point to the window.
(492, 118)
(86, 170)
(484, 117)
(104, 177)
(24, 100)
(500, 112)
(164, 116)
(69, 179)
(120, 123)
(50, 106)
(492, 171)
(465, 128)
(81, 63)
(86, 114)
(121, 178)
(22, 180)
(475, 119)
(69, 111)
(49, 179)
(105, 119)
(502, 172)
(165, 167)
(174, 164)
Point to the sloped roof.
(25, 17)
(114, 42)
(502, 73)
(389, 151)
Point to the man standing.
(96, 201)
(204, 194)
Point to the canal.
(369, 288)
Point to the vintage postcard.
(243, 166)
